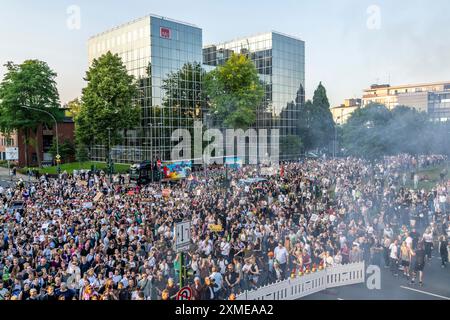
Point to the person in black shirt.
(208, 290)
(84, 265)
(50, 295)
(172, 288)
(415, 237)
(443, 250)
(124, 293)
(419, 263)
(231, 280)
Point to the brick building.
(45, 136)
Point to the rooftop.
(387, 86)
(253, 36)
(140, 19)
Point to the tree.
(305, 123)
(406, 130)
(184, 101)
(235, 92)
(66, 150)
(81, 153)
(316, 125)
(31, 84)
(185, 97)
(291, 146)
(74, 107)
(323, 123)
(108, 101)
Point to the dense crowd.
(80, 237)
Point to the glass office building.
(280, 62)
(168, 62)
(439, 105)
(165, 57)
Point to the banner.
(98, 197)
(177, 170)
(215, 228)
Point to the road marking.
(424, 292)
(340, 299)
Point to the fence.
(293, 289)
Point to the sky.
(350, 44)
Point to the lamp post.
(335, 137)
(151, 151)
(109, 155)
(58, 157)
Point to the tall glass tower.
(165, 58)
(280, 62)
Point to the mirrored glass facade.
(280, 62)
(165, 58)
(168, 62)
(439, 105)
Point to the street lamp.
(109, 155)
(58, 159)
(151, 151)
(335, 137)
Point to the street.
(436, 287)
(6, 180)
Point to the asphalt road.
(436, 287)
(6, 181)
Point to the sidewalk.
(5, 176)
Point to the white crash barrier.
(345, 275)
(293, 289)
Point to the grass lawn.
(432, 176)
(69, 167)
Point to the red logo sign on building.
(165, 33)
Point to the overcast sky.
(350, 44)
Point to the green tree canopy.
(108, 101)
(30, 84)
(316, 125)
(374, 131)
(74, 108)
(364, 133)
(185, 98)
(235, 92)
(66, 150)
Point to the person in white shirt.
(218, 280)
(428, 240)
(393, 248)
(225, 248)
(408, 240)
(281, 255)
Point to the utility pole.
(109, 156)
(335, 137)
(58, 156)
(226, 182)
(181, 270)
(151, 151)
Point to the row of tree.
(375, 131)
(112, 102)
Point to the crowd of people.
(81, 237)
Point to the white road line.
(340, 299)
(424, 292)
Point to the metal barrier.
(293, 289)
